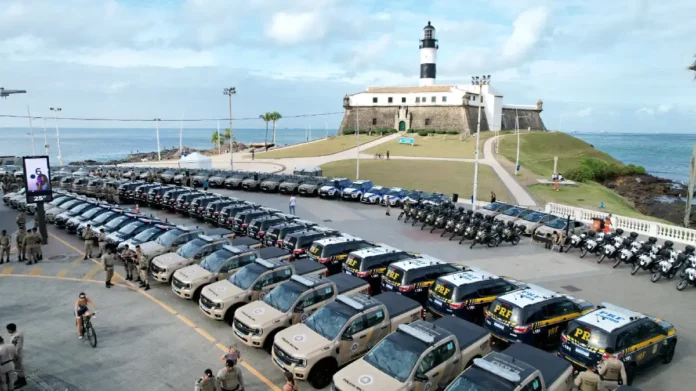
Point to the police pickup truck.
(417, 357)
(163, 267)
(518, 368)
(170, 241)
(292, 302)
(340, 332)
(274, 235)
(220, 300)
(190, 280)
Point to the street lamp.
(157, 121)
(480, 82)
(55, 111)
(229, 92)
(357, 141)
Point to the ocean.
(104, 144)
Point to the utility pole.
(31, 126)
(159, 156)
(517, 130)
(229, 92)
(45, 137)
(357, 138)
(475, 80)
(181, 135)
(690, 191)
(218, 135)
(55, 111)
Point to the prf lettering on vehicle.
(582, 334)
(351, 262)
(442, 290)
(610, 317)
(502, 311)
(392, 275)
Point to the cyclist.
(82, 310)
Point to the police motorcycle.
(461, 224)
(688, 276)
(442, 218)
(612, 245)
(422, 214)
(671, 262)
(487, 234)
(578, 241)
(405, 208)
(594, 245)
(413, 211)
(450, 221)
(647, 258)
(432, 215)
(510, 234)
(471, 228)
(630, 248)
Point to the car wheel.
(321, 374)
(669, 354)
(630, 373)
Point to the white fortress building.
(435, 107)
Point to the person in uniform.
(109, 261)
(87, 236)
(206, 382)
(7, 357)
(230, 378)
(21, 221)
(21, 251)
(28, 245)
(128, 257)
(4, 247)
(38, 242)
(17, 339)
(611, 369)
(101, 239)
(143, 268)
(588, 380)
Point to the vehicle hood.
(307, 186)
(55, 211)
(350, 190)
(547, 230)
(526, 223)
(223, 291)
(327, 188)
(191, 273)
(217, 179)
(370, 195)
(75, 220)
(487, 212)
(168, 259)
(150, 248)
(364, 377)
(300, 341)
(269, 182)
(258, 314)
(129, 242)
(506, 217)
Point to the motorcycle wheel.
(584, 252)
(516, 239)
(682, 284)
(452, 237)
(406, 219)
(443, 233)
(493, 243)
(432, 229)
(400, 216)
(414, 222)
(565, 250)
(601, 258)
(655, 277)
(423, 226)
(472, 244)
(616, 263)
(635, 269)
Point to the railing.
(628, 224)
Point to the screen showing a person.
(37, 179)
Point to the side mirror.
(419, 377)
(346, 337)
(298, 309)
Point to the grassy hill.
(317, 148)
(432, 146)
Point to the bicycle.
(88, 329)
(378, 156)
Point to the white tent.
(195, 160)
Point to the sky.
(598, 66)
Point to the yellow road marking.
(7, 270)
(35, 271)
(62, 273)
(60, 279)
(93, 272)
(77, 261)
(184, 319)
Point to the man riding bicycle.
(82, 310)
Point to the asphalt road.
(172, 342)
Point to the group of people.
(12, 360)
(9, 182)
(28, 244)
(609, 374)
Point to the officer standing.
(611, 369)
(21, 251)
(588, 380)
(128, 256)
(4, 247)
(7, 356)
(109, 261)
(102, 242)
(21, 221)
(28, 245)
(87, 236)
(38, 242)
(143, 266)
(206, 382)
(17, 339)
(230, 378)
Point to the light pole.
(229, 92)
(55, 111)
(218, 135)
(517, 129)
(157, 121)
(357, 141)
(31, 126)
(45, 138)
(181, 135)
(479, 81)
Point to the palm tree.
(215, 138)
(275, 117)
(266, 118)
(693, 68)
(227, 135)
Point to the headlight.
(258, 332)
(187, 286)
(302, 363)
(219, 306)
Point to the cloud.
(645, 112)
(664, 108)
(528, 29)
(293, 28)
(116, 87)
(586, 112)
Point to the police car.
(333, 251)
(396, 196)
(334, 188)
(374, 195)
(371, 263)
(467, 294)
(413, 278)
(356, 190)
(535, 316)
(638, 339)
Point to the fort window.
(417, 100)
(403, 100)
(374, 121)
(444, 99)
(427, 121)
(374, 100)
(390, 100)
(423, 99)
(433, 99)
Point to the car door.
(353, 342)
(436, 366)
(233, 265)
(651, 336)
(321, 296)
(376, 328)
(272, 281)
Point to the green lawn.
(443, 176)
(441, 145)
(318, 148)
(537, 150)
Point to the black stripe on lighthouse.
(427, 71)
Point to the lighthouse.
(428, 56)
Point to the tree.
(266, 118)
(693, 68)
(275, 117)
(214, 139)
(226, 135)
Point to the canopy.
(195, 160)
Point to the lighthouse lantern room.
(428, 56)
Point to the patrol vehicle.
(535, 316)
(340, 332)
(76, 210)
(197, 208)
(201, 177)
(128, 231)
(169, 197)
(332, 252)
(311, 186)
(235, 181)
(291, 302)
(414, 277)
(259, 226)
(163, 267)
(213, 209)
(170, 241)
(183, 201)
(495, 208)
(533, 220)
(416, 357)
(520, 367)
(253, 282)
(155, 194)
(100, 220)
(374, 195)
(179, 178)
(66, 182)
(168, 175)
(218, 179)
(115, 224)
(275, 234)
(72, 223)
(79, 185)
(291, 184)
(371, 263)
(467, 294)
(334, 188)
(242, 219)
(253, 182)
(356, 190)
(228, 213)
(151, 233)
(94, 186)
(271, 183)
(639, 340)
(300, 242)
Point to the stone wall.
(439, 118)
(472, 119)
(385, 117)
(527, 119)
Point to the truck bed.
(550, 366)
(307, 266)
(345, 283)
(271, 252)
(397, 304)
(467, 333)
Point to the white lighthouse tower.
(428, 56)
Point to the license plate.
(389, 286)
(278, 363)
(206, 310)
(176, 290)
(438, 302)
(349, 273)
(582, 351)
(239, 334)
(498, 325)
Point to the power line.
(163, 119)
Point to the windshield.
(115, 222)
(103, 217)
(57, 201)
(168, 238)
(90, 213)
(70, 204)
(146, 235)
(168, 172)
(513, 211)
(284, 295)
(214, 261)
(503, 310)
(394, 192)
(247, 275)
(328, 321)
(375, 190)
(588, 336)
(239, 176)
(78, 208)
(493, 206)
(128, 229)
(558, 223)
(189, 249)
(476, 379)
(396, 356)
(414, 194)
(534, 217)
